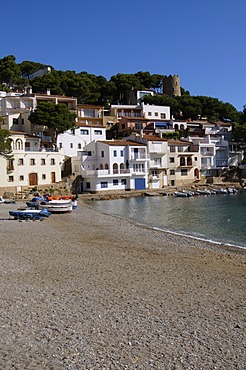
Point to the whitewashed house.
(30, 164)
(114, 165)
(72, 142)
(157, 149)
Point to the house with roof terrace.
(114, 165)
(158, 158)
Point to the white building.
(114, 165)
(157, 149)
(214, 154)
(30, 165)
(74, 140)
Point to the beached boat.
(56, 206)
(30, 214)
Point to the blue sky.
(203, 41)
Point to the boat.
(6, 201)
(181, 194)
(30, 214)
(220, 191)
(56, 206)
(61, 197)
(204, 192)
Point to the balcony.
(103, 173)
(139, 156)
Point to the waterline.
(219, 219)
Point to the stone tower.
(171, 85)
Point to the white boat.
(57, 206)
(204, 192)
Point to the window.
(172, 148)
(88, 185)
(139, 167)
(20, 161)
(84, 132)
(43, 176)
(42, 161)
(89, 153)
(98, 132)
(115, 153)
(156, 114)
(72, 131)
(32, 162)
(154, 173)
(11, 178)
(52, 161)
(15, 121)
(123, 126)
(172, 182)
(102, 153)
(71, 145)
(115, 182)
(171, 159)
(138, 126)
(149, 114)
(79, 145)
(163, 115)
(184, 172)
(122, 153)
(172, 172)
(180, 149)
(104, 184)
(21, 178)
(60, 145)
(123, 181)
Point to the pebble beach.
(88, 290)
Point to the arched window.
(122, 168)
(189, 161)
(18, 144)
(182, 161)
(181, 127)
(106, 166)
(115, 168)
(101, 166)
(176, 127)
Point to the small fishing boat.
(29, 214)
(204, 192)
(56, 206)
(181, 194)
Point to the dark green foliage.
(91, 89)
(5, 144)
(55, 116)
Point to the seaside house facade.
(157, 149)
(114, 165)
(183, 163)
(30, 164)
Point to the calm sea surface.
(219, 218)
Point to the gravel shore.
(91, 291)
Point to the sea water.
(218, 218)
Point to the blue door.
(139, 184)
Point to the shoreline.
(90, 290)
(209, 242)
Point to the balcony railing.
(100, 173)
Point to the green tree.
(27, 67)
(55, 116)
(9, 70)
(5, 144)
